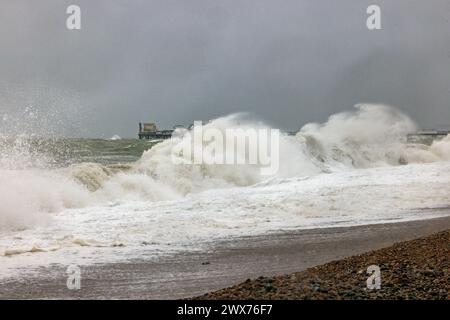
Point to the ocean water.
(82, 201)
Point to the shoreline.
(190, 274)
(416, 269)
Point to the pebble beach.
(416, 269)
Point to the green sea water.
(63, 152)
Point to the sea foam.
(366, 137)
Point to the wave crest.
(368, 136)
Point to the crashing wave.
(368, 136)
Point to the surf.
(369, 136)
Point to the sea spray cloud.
(369, 135)
(229, 146)
(27, 197)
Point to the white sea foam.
(115, 137)
(346, 171)
(28, 196)
(132, 229)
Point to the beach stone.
(416, 269)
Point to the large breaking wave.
(368, 136)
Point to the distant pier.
(427, 136)
(149, 131)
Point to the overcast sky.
(289, 62)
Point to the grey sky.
(289, 62)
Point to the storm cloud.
(287, 62)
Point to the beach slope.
(416, 269)
(413, 269)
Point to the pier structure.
(427, 136)
(149, 131)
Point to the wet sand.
(227, 263)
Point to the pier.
(149, 131)
(427, 136)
